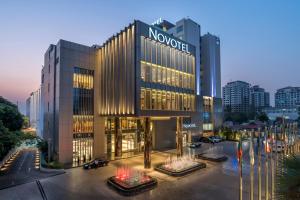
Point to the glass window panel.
(153, 97)
(153, 52)
(154, 72)
(164, 100)
(158, 99)
(142, 99)
(158, 54)
(148, 99)
(159, 74)
(143, 71)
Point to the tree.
(10, 116)
(263, 117)
(236, 117)
(11, 122)
(25, 122)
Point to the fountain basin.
(163, 168)
(128, 181)
(212, 157)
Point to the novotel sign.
(154, 34)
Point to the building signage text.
(153, 34)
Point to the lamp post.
(266, 166)
(259, 163)
(272, 162)
(240, 159)
(251, 152)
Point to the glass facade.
(154, 99)
(170, 71)
(83, 115)
(132, 139)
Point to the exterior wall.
(210, 66)
(48, 98)
(117, 74)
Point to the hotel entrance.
(132, 139)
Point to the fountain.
(128, 181)
(214, 154)
(179, 166)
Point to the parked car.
(206, 140)
(99, 162)
(217, 139)
(194, 145)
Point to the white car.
(279, 148)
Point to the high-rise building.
(236, 97)
(208, 69)
(259, 98)
(288, 97)
(210, 66)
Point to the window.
(153, 99)
(142, 99)
(154, 74)
(143, 71)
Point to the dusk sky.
(260, 40)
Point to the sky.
(260, 40)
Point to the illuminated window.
(142, 99)
(158, 99)
(153, 74)
(82, 148)
(83, 124)
(159, 74)
(143, 71)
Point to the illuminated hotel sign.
(153, 34)
(189, 126)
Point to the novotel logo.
(153, 34)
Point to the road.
(22, 169)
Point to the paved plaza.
(217, 181)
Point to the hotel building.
(134, 93)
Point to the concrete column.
(118, 138)
(148, 144)
(138, 133)
(99, 135)
(179, 136)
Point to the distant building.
(288, 97)
(236, 96)
(259, 98)
(287, 113)
(33, 111)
